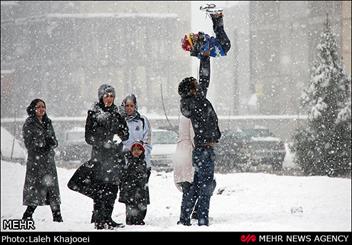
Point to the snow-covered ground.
(241, 202)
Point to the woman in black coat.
(103, 122)
(134, 185)
(41, 185)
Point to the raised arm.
(204, 76)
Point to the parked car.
(164, 147)
(250, 146)
(74, 148)
(230, 150)
(264, 147)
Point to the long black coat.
(41, 185)
(101, 125)
(134, 183)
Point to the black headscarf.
(31, 110)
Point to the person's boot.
(217, 18)
(182, 222)
(96, 207)
(139, 222)
(215, 12)
(57, 217)
(109, 221)
(27, 215)
(99, 223)
(56, 214)
(112, 224)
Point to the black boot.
(109, 221)
(57, 217)
(96, 207)
(56, 214)
(99, 225)
(27, 215)
(112, 224)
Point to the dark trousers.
(135, 214)
(104, 202)
(221, 36)
(202, 187)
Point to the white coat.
(183, 169)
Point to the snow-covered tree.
(323, 145)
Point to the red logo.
(248, 238)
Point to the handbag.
(83, 180)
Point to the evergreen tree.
(323, 146)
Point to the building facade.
(63, 51)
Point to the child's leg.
(142, 212)
(218, 27)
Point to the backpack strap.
(142, 119)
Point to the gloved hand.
(50, 141)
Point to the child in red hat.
(134, 190)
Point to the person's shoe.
(207, 6)
(27, 216)
(57, 218)
(140, 222)
(113, 224)
(215, 12)
(217, 18)
(99, 226)
(184, 223)
(203, 222)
